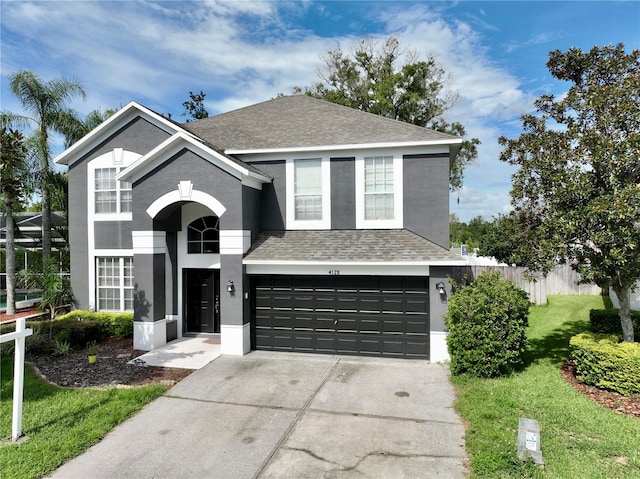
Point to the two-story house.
(292, 225)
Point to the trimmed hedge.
(607, 321)
(606, 363)
(487, 321)
(114, 324)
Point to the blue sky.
(244, 52)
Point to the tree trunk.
(11, 257)
(625, 313)
(46, 200)
(46, 223)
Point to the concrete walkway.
(279, 415)
(185, 353)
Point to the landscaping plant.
(486, 322)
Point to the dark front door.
(202, 300)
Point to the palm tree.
(14, 184)
(78, 128)
(43, 102)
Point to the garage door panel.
(417, 348)
(393, 326)
(393, 305)
(416, 326)
(417, 305)
(343, 315)
(371, 304)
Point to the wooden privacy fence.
(562, 280)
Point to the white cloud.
(241, 53)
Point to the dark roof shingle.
(346, 245)
(303, 121)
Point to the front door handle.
(217, 304)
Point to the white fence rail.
(562, 280)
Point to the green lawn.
(579, 438)
(60, 423)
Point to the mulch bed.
(111, 369)
(629, 405)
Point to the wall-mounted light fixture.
(440, 288)
(230, 287)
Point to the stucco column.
(149, 328)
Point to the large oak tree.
(382, 79)
(576, 193)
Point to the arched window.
(203, 235)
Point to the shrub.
(606, 363)
(487, 321)
(607, 321)
(78, 333)
(113, 324)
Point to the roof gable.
(183, 140)
(301, 122)
(122, 117)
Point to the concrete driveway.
(280, 415)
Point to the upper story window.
(379, 192)
(111, 196)
(112, 200)
(378, 188)
(308, 190)
(308, 194)
(203, 235)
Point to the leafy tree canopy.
(576, 193)
(374, 78)
(194, 106)
(44, 104)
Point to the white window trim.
(117, 158)
(325, 222)
(398, 195)
(121, 288)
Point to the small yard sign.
(18, 336)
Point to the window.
(378, 188)
(115, 284)
(308, 190)
(111, 196)
(203, 235)
(308, 203)
(379, 191)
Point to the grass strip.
(579, 438)
(58, 423)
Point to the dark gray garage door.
(362, 315)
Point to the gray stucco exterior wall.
(149, 294)
(232, 305)
(78, 233)
(426, 197)
(439, 303)
(113, 234)
(171, 269)
(343, 193)
(138, 136)
(273, 198)
(251, 211)
(204, 176)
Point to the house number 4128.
(334, 272)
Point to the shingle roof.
(303, 121)
(346, 245)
